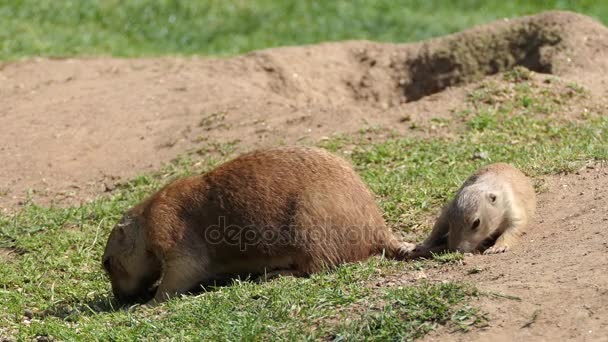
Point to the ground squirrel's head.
(132, 267)
(474, 216)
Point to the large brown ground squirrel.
(489, 212)
(278, 211)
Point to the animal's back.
(298, 206)
(279, 211)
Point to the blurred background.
(215, 27)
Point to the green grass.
(214, 27)
(55, 275)
(412, 312)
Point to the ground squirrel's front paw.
(407, 247)
(420, 251)
(405, 250)
(496, 250)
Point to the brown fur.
(500, 196)
(278, 211)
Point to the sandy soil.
(71, 128)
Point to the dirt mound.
(72, 128)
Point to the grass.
(53, 284)
(414, 311)
(213, 27)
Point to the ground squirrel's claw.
(496, 250)
(408, 247)
(406, 250)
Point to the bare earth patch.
(71, 128)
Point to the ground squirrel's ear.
(492, 197)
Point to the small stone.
(108, 187)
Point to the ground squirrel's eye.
(492, 198)
(475, 224)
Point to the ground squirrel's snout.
(142, 292)
(464, 247)
(135, 298)
(465, 238)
